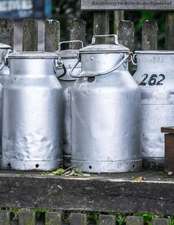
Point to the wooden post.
(18, 36)
(118, 16)
(52, 35)
(78, 219)
(150, 36)
(53, 218)
(30, 35)
(169, 148)
(134, 220)
(161, 221)
(101, 23)
(4, 218)
(169, 31)
(107, 220)
(6, 31)
(41, 35)
(78, 32)
(26, 217)
(126, 34)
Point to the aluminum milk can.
(105, 111)
(32, 113)
(4, 76)
(154, 75)
(69, 58)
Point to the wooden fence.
(33, 217)
(38, 35)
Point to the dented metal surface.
(155, 77)
(32, 113)
(69, 58)
(4, 76)
(105, 112)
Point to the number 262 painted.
(153, 80)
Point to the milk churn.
(4, 76)
(32, 113)
(69, 58)
(105, 111)
(155, 77)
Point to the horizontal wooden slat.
(167, 130)
(102, 194)
(127, 4)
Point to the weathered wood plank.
(4, 218)
(30, 35)
(53, 218)
(41, 35)
(150, 35)
(101, 23)
(169, 32)
(78, 218)
(106, 220)
(118, 16)
(169, 152)
(103, 194)
(134, 220)
(52, 35)
(78, 32)
(18, 36)
(126, 34)
(161, 221)
(6, 31)
(127, 4)
(26, 217)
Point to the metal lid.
(69, 53)
(156, 52)
(115, 47)
(33, 55)
(4, 46)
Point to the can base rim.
(28, 165)
(119, 166)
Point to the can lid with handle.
(33, 55)
(69, 53)
(111, 47)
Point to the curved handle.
(105, 36)
(5, 59)
(57, 65)
(85, 74)
(134, 59)
(70, 42)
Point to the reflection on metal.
(69, 58)
(32, 113)
(155, 76)
(105, 111)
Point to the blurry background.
(67, 10)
